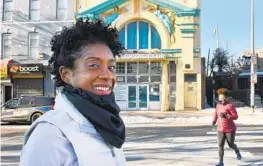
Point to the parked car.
(26, 108)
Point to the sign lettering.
(16, 69)
(142, 56)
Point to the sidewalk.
(246, 117)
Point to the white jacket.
(65, 137)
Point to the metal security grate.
(144, 79)
(172, 78)
(131, 79)
(120, 78)
(120, 68)
(156, 79)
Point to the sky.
(233, 20)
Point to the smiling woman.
(85, 127)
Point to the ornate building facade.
(162, 68)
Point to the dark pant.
(222, 137)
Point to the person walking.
(224, 116)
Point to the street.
(163, 145)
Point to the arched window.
(139, 35)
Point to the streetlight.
(253, 65)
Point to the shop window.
(33, 44)
(34, 10)
(6, 45)
(132, 67)
(120, 68)
(143, 68)
(156, 68)
(62, 9)
(154, 92)
(7, 10)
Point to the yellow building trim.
(136, 7)
(125, 18)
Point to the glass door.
(143, 96)
(132, 96)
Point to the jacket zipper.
(114, 155)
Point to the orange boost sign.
(16, 69)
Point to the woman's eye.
(112, 68)
(94, 65)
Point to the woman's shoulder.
(47, 135)
(47, 144)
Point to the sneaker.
(220, 164)
(239, 157)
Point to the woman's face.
(94, 71)
(222, 98)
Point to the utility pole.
(217, 37)
(207, 69)
(253, 69)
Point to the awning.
(259, 73)
(4, 68)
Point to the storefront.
(6, 85)
(139, 81)
(161, 68)
(27, 79)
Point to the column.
(165, 88)
(179, 103)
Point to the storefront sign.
(3, 71)
(4, 63)
(16, 69)
(141, 56)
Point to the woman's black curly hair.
(67, 45)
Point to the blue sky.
(233, 20)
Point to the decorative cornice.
(188, 30)
(180, 10)
(171, 51)
(94, 12)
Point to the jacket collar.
(63, 104)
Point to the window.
(33, 44)
(25, 102)
(132, 67)
(120, 68)
(190, 78)
(12, 104)
(62, 9)
(156, 68)
(154, 92)
(44, 101)
(6, 45)
(143, 68)
(172, 67)
(34, 10)
(138, 34)
(7, 10)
